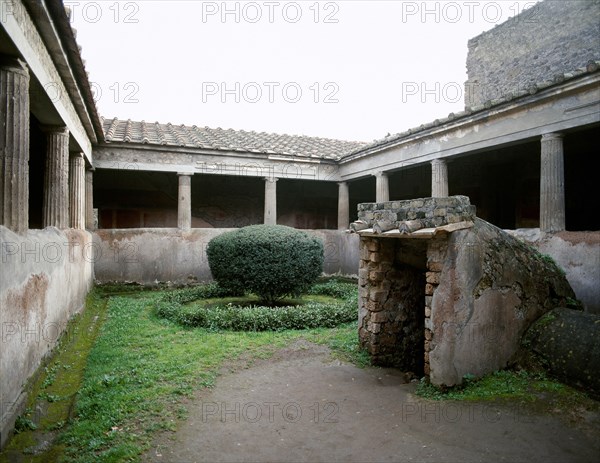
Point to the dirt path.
(303, 406)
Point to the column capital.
(13, 64)
(439, 161)
(271, 179)
(76, 154)
(54, 129)
(342, 183)
(552, 136)
(189, 174)
(380, 173)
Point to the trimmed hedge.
(235, 318)
(271, 261)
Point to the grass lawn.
(123, 374)
(139, 374)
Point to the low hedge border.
(259, 318)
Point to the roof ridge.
(228, 139)
(560, 78)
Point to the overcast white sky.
(353, 70)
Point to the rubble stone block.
(372, 245)
(374, 328)
(435, 266)
(380, 317)
(378, 295)
(433, 278)
(428, 334)
(375, 257)
(439, 212)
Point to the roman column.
(343, 206)
(77, 191)
(89, 199)
(14, 144)
(552, 184)
(382, 189)
(184, 207)
(270, 201)
(56, 180)
(439, 178)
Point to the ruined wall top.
(414, 214)
(547, 40)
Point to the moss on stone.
(52, 391)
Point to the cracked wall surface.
(452, 303)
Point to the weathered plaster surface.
(149, 256)
(480, 288)
(492, 287)
(45, 277)
(578, 254)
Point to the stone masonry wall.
(428, 212)
(449, 302)
(543, 42)
(392, 306)
(436, 254)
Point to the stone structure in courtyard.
(85, 199)
(444, 293)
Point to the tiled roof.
(591, 67)
(153, 133)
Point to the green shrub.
(236, 318)
(271, 261)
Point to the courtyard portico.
(138, 201)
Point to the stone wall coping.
(409, 216)
(421, 233)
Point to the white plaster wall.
(578, 254)
(44, 279)
(153, 255)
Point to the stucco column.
(270, 201)
(56, 181)
(77, 191)
(343, 206)
(382, 188)
(14, 145)
(184, 207)
(89, 199)
(552, 184)
(439, 178)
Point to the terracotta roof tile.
(121, 131)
